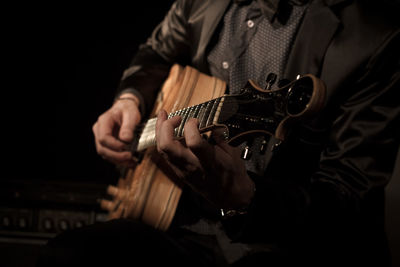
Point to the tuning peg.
(276, 146)
(271, 78)
(263, 148)
(225, 135)
(246, 153)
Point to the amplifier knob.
(22, 223)
(48, 224)
(79, 224)
(6, 222)
(63, 225)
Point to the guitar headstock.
(258, 111)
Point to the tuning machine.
(271, 78)
(246, 153)
(263, 147)
(276, 146)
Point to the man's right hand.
(113, 130)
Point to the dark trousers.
(130, 243)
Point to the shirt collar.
(273, 9)
(269, 8)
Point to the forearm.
(167, 45)
(144, 78)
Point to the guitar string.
(205, 115)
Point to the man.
(320, 198)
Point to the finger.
(112, 190)
(123, 156)
(218, 135)
(161, 117)
(103, 152)
(107, 204)
(194, 141)
(129, 121)
(103, 132)
(227, 148)
(165, 136)
(118, 212)
(173, 150)
(117, 193)
(114, 144)
(115, 156)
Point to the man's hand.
(114, 129)
(215, 171)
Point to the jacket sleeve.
(150, 66)
(356, 162)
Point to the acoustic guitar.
(150, 192)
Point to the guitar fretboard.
(207, 113)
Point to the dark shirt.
(252, 43)
(327, 198)
(250, 46)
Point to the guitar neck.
(207, 113)
(252, 111)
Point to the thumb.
(128, 124)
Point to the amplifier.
(33, 211)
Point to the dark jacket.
(325, 188)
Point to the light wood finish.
(150, 192)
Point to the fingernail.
(126, 136)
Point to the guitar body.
(149, 192)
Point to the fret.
(191, 112)
(205, 115)
(176, 132)
(178, 112)
(218, 111)
(185, 117)
(212, 112)
(201, 113)
(174, 114)
(196, 111)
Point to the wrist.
(128, 97)
(131, 92)
(244, 208)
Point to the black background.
(63, 65)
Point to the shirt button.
(250, 23)
(225, 65)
